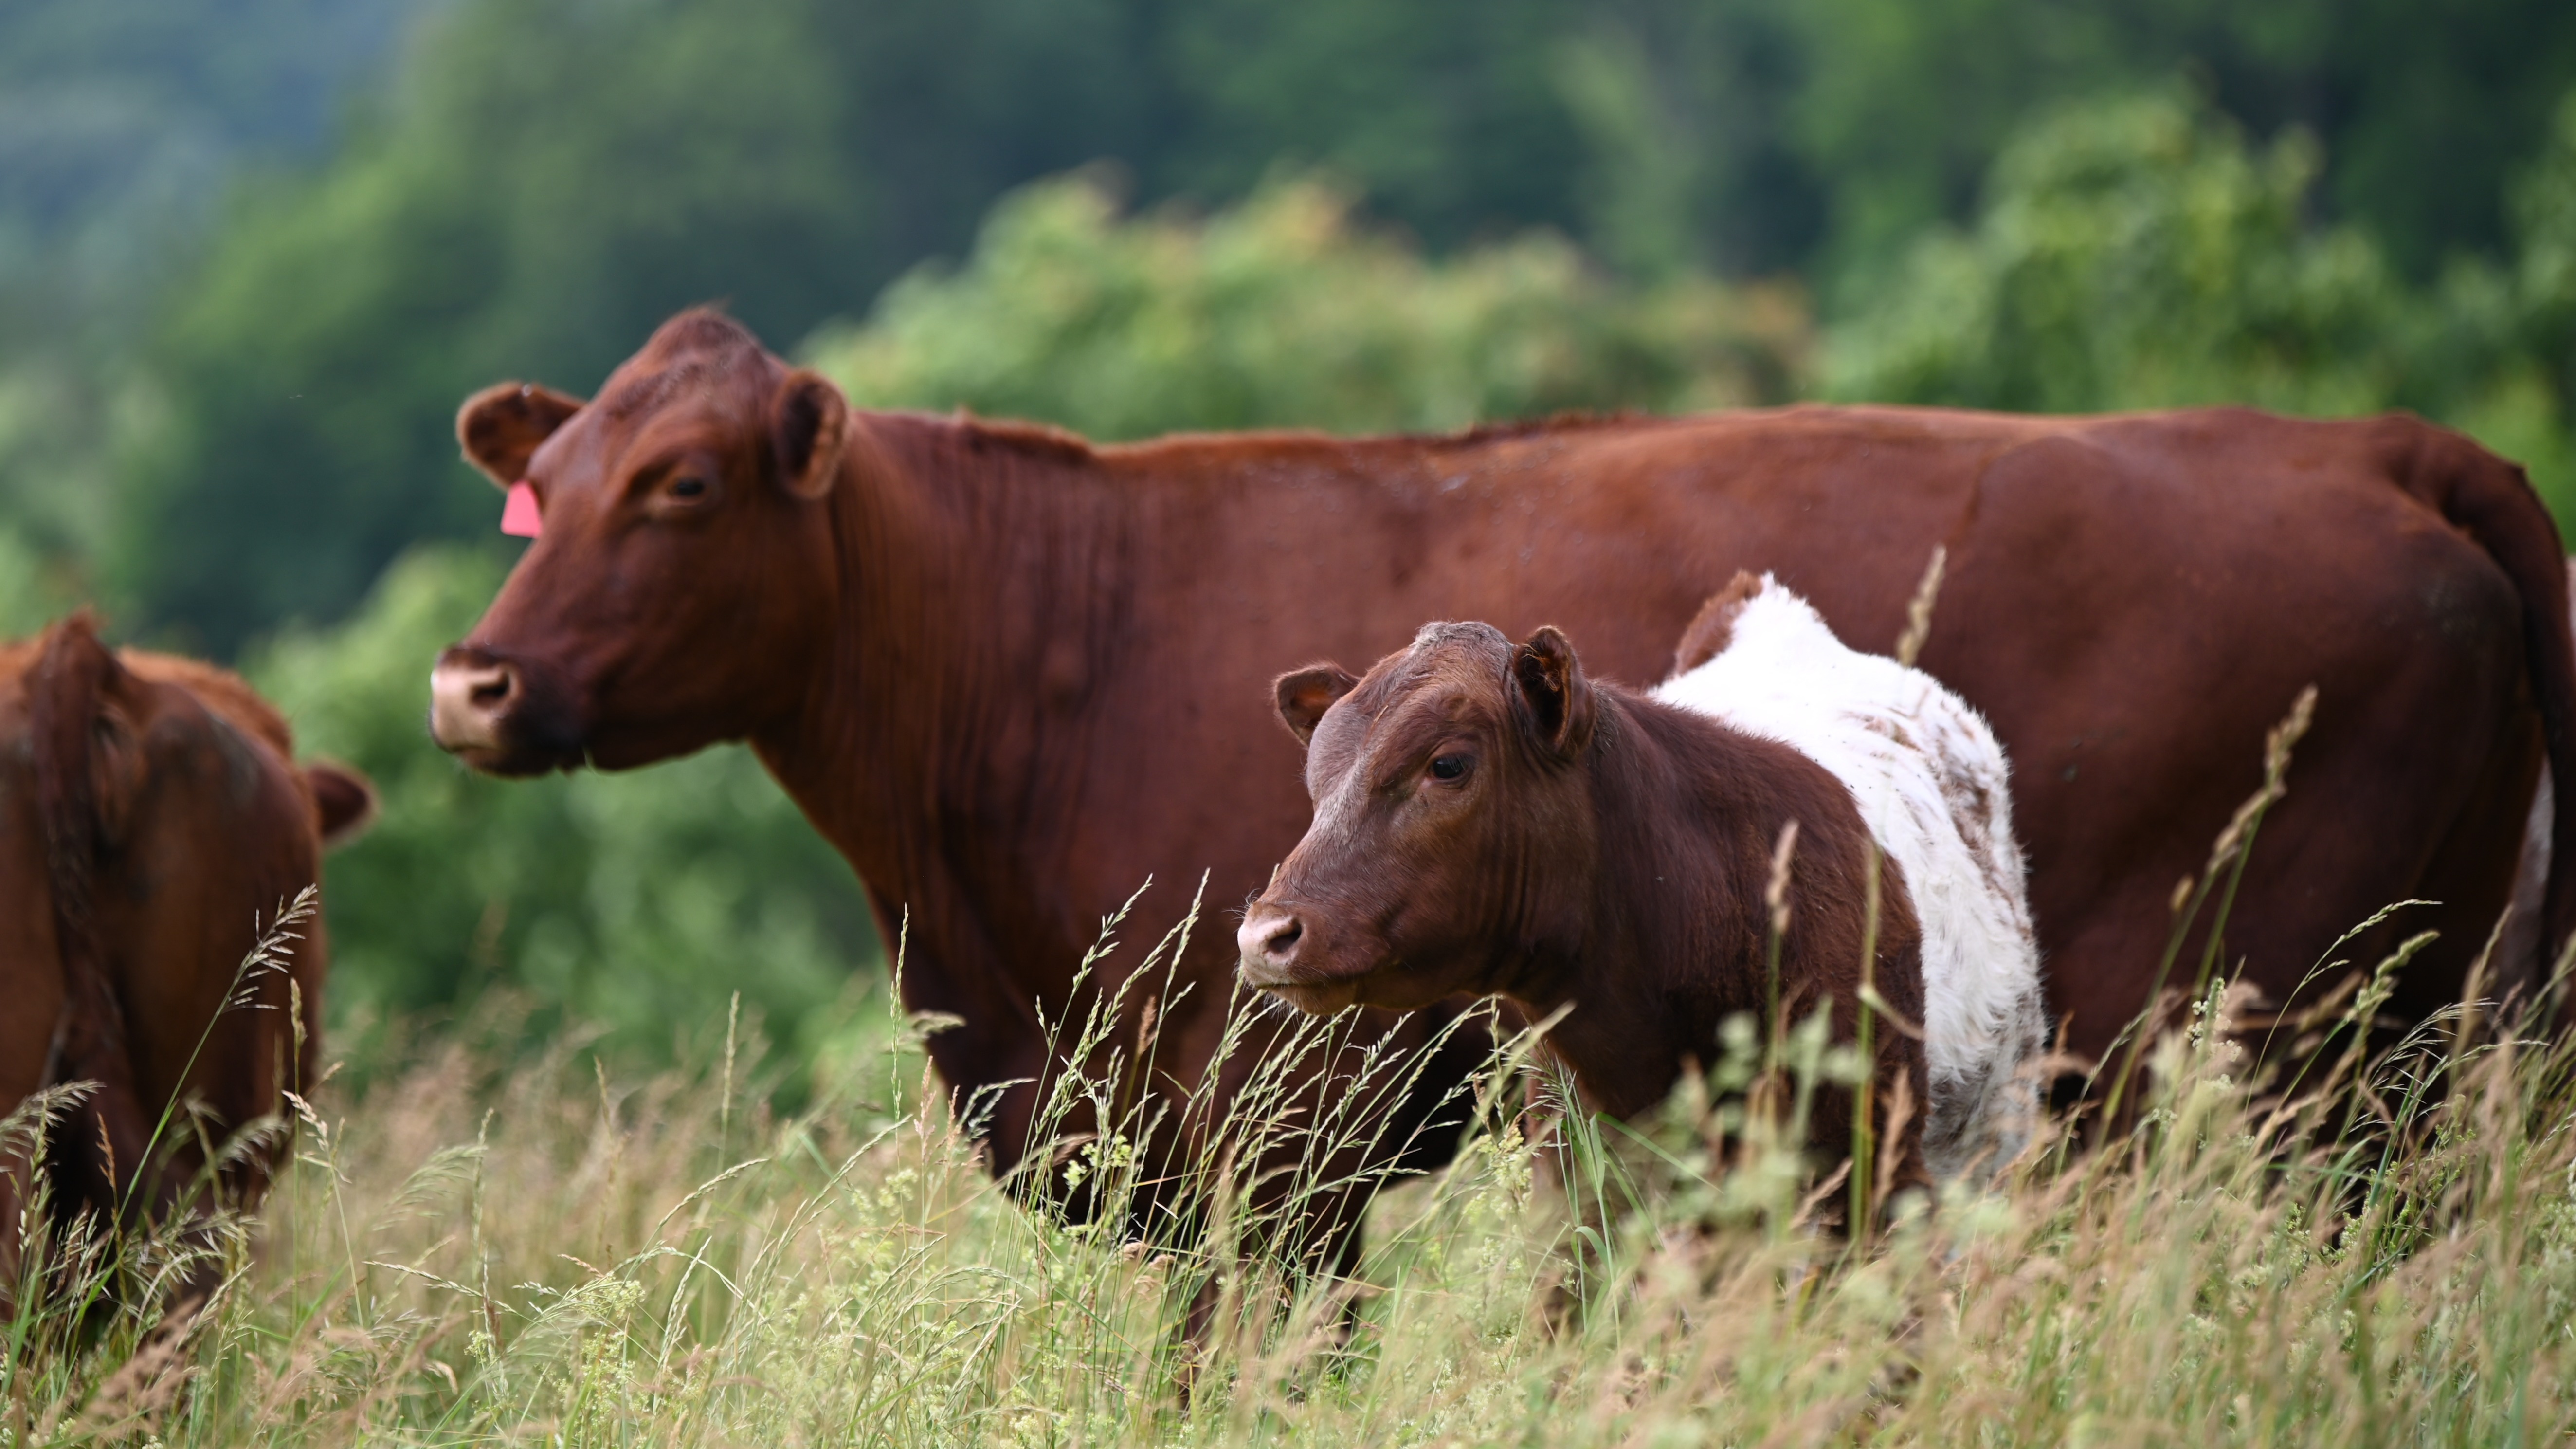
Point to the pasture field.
(2380, 1251)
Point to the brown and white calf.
(1490, 820)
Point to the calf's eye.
(1450, 767)
(689, 488)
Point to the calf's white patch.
(1932, 787)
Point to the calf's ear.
(1713, 630)
(808, 422)
(501, 426)
(1305, 694)
(343, 799)
(1552, 685)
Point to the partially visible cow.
(1011, 675)
(152, 826)
(2517, 957)
(1491, 820)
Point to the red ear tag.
(519, 516)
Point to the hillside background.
(253, 252)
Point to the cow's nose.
(467, 700)
(1269, 939)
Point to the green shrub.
(2141, 253)
(1283, 313)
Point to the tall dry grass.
(2381, 1251)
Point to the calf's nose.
(1269, 938)
(467, 699)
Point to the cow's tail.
(106, 1141)
(2492, 501)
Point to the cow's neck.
(979, 578)
(1660, 960)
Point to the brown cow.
(1011, 675)
(152, 824)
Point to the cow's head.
(1453, 833)
(682, 571)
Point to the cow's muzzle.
(1281, 954)
(496, 715)
(1269, 939)
(470, 698)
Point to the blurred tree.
(27, 598)
(1281, 312)
(1684, 108)
(2499, 340)
(2422, 113)
(513, 213)
(2140, 253)
(2133, 254)
(121, 119)
(1444, 112)
(638, 903)
(120, 123)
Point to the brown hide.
(1489, 821)
(150, 825)
(1011, 676)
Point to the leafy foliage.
(2421, 118)
(2141, 253)
(512, 213)
(1281, 313)
(122, 122)
(25, 600)
(2136, 254)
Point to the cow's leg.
(2518, 963)
(2473, 875)
(2519, 960)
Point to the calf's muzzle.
(1269, 938)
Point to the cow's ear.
(1712, 632)
(343, 800)
(501, 426)
(1305, 694)
(808, 423)
(1552, 685)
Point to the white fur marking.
(1933, 788)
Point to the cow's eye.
(1451, 767)
(689, 487)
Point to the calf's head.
(682, 573)
(1453, 839)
